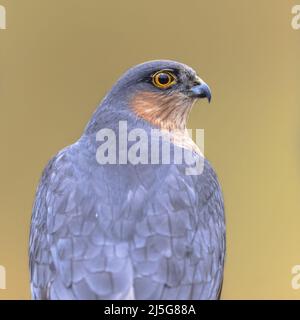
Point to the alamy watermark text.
(2, 278)
(296, 17)
(2, 17)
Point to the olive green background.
(59, 57)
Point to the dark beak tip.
(209, 97)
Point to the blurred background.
(57, 60)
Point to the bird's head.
(160, 92)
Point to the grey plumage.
(125, 231)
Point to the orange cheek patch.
(162, 110)
(144, 103)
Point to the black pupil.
(164, 78)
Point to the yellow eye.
(163, 79)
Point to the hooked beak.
(200, 90)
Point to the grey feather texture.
(125, 231)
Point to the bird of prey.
(131, 230)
